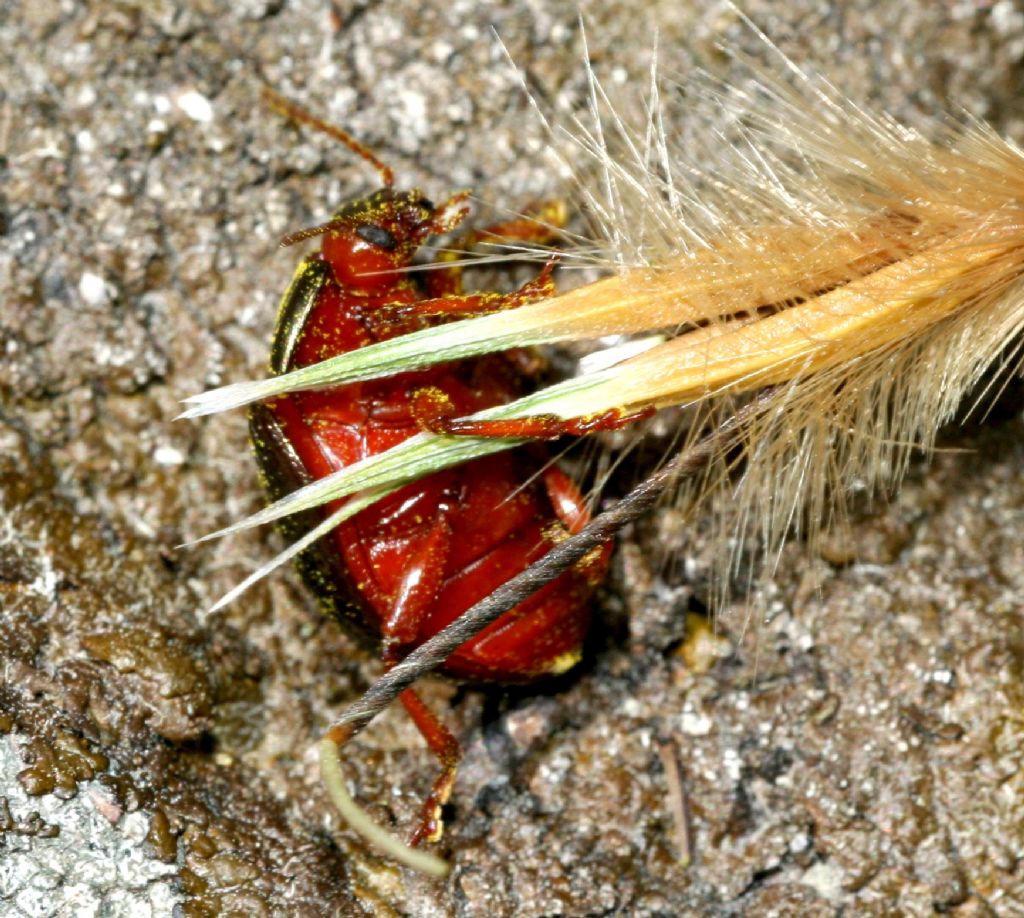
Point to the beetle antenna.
(309, 232)
(297, 113)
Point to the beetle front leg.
(540, 224)
(435, 415)
(463, 305)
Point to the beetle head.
(370, 241)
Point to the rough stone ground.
(858, 754)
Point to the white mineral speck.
(414, 113)
(1005, 18)
(45, 583)
(799, 842)
(826, 878)
(732, 764)
(631, 707)
(92, 288)
(196, 106)
(85, 141)
(694, 724)
(168, 456)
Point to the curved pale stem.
(356, 817)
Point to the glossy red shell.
(499, 515)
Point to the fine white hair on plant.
(870, 273)
(865, 274)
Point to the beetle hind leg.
(333, 772)
(416, 592)
(418, 589)
(448, 751)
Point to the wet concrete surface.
(856, 753)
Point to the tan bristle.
(865, 273)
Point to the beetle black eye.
(377, 236)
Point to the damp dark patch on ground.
(856, 752)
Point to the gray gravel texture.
(859, 753)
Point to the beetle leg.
(448, 752)
(539, 224)
(432, 408)
(571, 510)
(458, 305)
(333, 773)
(566, 499)
(419, 585)
(417, 591)
(533, 427)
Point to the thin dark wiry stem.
(433, 653)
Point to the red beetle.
(401, 570)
